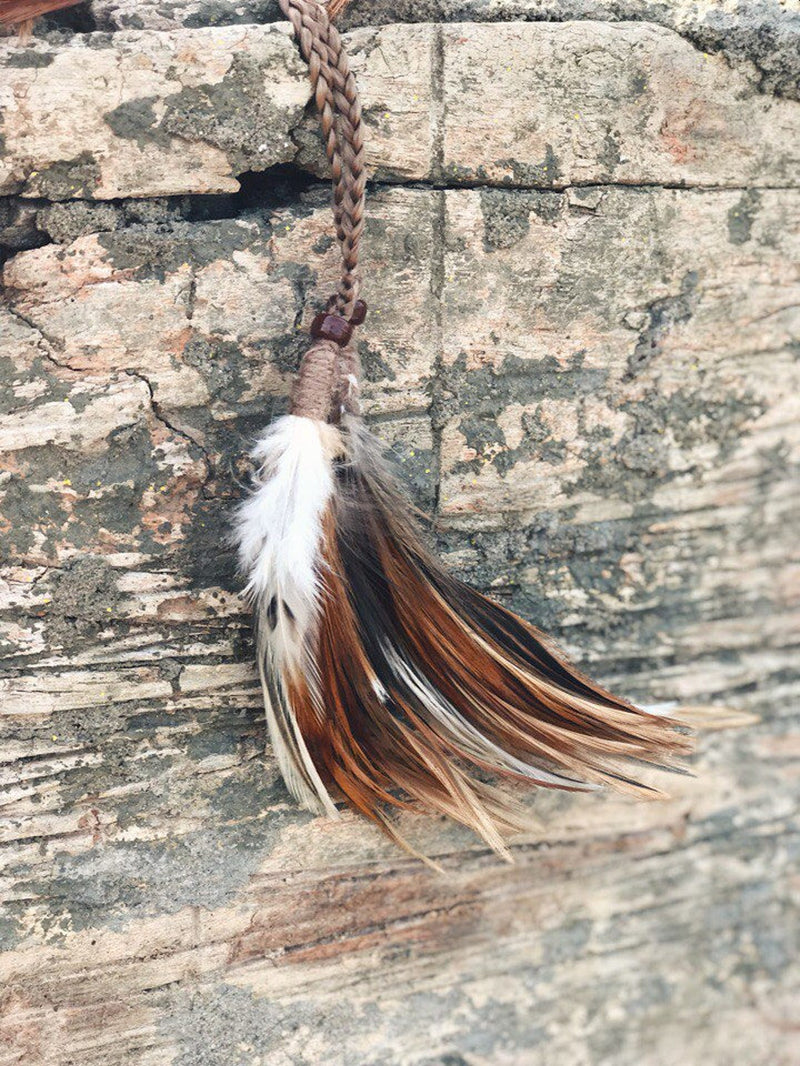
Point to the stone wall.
(583, 250)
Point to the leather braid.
(339, 109)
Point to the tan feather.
(428, 695)
(334, 8)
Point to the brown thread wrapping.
(348, 374)
(316, 382)
(326, 386)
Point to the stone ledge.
(140, 114)
(149, 114)
(762, 39)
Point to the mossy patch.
(68, 179)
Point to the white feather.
(661, 710)
(279, 528)
(297, 768)
(279, 533)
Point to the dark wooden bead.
(331, 328)
(359, 313)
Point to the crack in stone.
(201, 207)
(159, 415)
(510, 186)
(238, 205)
(437, 382)
(45, 343)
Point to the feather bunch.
(393, 685)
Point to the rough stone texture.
(563, 104)
(594, 388)
(523, 104)
(758, 36)
(147, 113)
(168, 14)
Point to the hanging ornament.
(386, 681)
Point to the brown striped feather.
(428, 695)
(379, 752)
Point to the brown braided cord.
(339, 109)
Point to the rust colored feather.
(18, 12)
(372, 744)
(428, 695)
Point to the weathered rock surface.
(549, 105)
(536, 105)
(761, 37)
(594, 389)
(148, 114)
(215, 313)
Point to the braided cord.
(339, 109)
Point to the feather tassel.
(279, 532)
(391, 683)
(388, 683)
